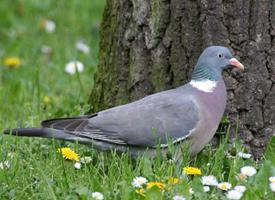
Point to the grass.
(37, 170)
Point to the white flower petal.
(5, 165)
(234, 194)
(86, 159)
(272, 179)
(191, 191)
(97, 196)
(206, 188)
(139, 181)
(209, 180)
(72, 66)
(272, 186)
(82, 47)
(178, 197)
(50, 26)
(240, 188)
(248, 171)
(77, 165)
(244, 155)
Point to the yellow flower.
(173, 181)
(46, 100)
(157, 184)
(192, 171)
(13, 62)
(141, 192)
(69, 154)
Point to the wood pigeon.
(191, 112)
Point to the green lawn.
(36, 170)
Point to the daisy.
(77, 165)
(248, 171)
(82, 47)
(86, 159)
(72, 66)
(46, 49)
(192, 171)
(97, 196)
(191, 191)
(224, 186)
(209, 180)
(139, 181)
(272, 179)
(48, 25)
(178, 197)
(5, 165)
(69, 154)
(244, 155)
(234, 194)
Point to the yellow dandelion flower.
(140, 192)
(173, 181)
(192, 171)
(13, 62)
(69, 154)
(157, 184)
(46, 100)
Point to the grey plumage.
(174, 115)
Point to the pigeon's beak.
(234, 62)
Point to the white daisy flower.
(77, 165)
(234, 194)
(139, 181)
(244, 155)
(191, 191)
(178, 197)
(5, 165)
(240, 188)
(272, 186)
(97, 196)
(72, 66)
(86, 159)
(224, 186)
(209, 180)
(206, 188)
(248, 171)
(50, 26)
(82, 47)
(46, 49)
(272, 179)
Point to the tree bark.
(152, 45)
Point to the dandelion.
(206, 188)
(48, 25)
(69, 154)
(12, 62)
(224, 186)
(209, 180)
(82, 47)
(248, 171)
(140, 192)
(272, 179)
(72, 66)
(139, 181)
(86, 159)
(97, 196)
(46, 100)
(244, 155)
(192, 171)
(155, 184)
(5, 165)
(178, 197)
(173, 181)
(240, 188)
(272, 186)
(77, 165)
(234, 194)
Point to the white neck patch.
(204, 85)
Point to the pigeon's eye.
(220, 55)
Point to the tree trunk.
(152, 45)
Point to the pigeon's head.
(213, 61)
